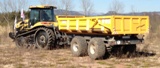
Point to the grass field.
(12, 57)
(146, 56)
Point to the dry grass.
(4, 38)
(11, 57)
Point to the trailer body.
(106, 25)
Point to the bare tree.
(11, 5)
(87, 7)
(22, 4)
(8, 6)
(116, 7)
(5, 6)
(48, 2)
(5, 9)
(133, 10)
(66, 5)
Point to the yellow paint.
(46, 24)
(22, 25)
(104, 24)
(42, 6)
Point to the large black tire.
(79, 46)
(44, 38)
(96, 48)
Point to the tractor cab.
(41, 14)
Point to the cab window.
(46, 15)
(34, 16)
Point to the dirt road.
(12, 57)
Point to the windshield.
(37, 15)
(47, 15)
(34, 16)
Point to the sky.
(102, 6)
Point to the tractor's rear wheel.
(44, 38)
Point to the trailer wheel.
(79, 46)
(44, 38)
(96, 48)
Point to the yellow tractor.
(87, 35)
(38, 31)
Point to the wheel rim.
(75, 47)
(41, 40)
(92, 49)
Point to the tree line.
(12, 8)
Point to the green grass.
(63, 62)
(62, 59)
(72, 66)
(20, 65)
(102, 62)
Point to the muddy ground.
(12, 57)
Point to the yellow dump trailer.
(104, 24)
(98, 35)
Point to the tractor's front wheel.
(44, 38)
